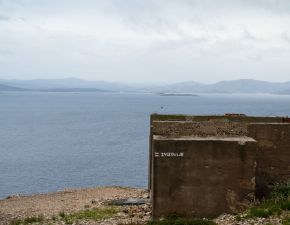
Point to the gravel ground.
(70, 201)
(231, 220)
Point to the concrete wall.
(175, 125)
(232, 126)
(216, 175)
(273, 155)
(202, 177)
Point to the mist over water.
(52, 141)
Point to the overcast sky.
(145, 40)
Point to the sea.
(53, 141)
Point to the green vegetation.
(278, 201)
(62, 214)
(181, 221)
(178, 221)
(92, 214)
(28, 220)
(286, 221)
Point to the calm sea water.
(52, 141)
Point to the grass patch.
(62, 214)
(286, 221)
(278, 201)
(92, 214)
(28, 220)
(16, 222)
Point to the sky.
(152, 41)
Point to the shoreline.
(55, 206)
(65, 190)
(67, 201)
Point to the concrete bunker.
(202, 166)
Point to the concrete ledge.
(228, 118)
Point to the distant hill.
(249, 86)
(67, 84)
(234, 86)
(189, 87)
(71, 90)
(283, 92)
(10, 88)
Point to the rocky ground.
(52, 206)
(231, 220)
(55, 208)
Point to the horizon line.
(142, 82)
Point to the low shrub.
(92, 214)
(28, 220)
(278, 201)
(286, 221)
(182, 221)
(177, 221)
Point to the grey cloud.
(285, 36)
(145, 40)
(164, 15)
(11, 2)
(282, 6)
(131, 6)
(247, 35)
(5, 52)
(270, 5)
(139, 14)
(4, 18)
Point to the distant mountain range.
(284, 92)
(190, 87)
(68, 83)
(10, 88)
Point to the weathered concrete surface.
(226, 118)
(201, 125)
(273, 155)
(216, 126)
(202, 177)
(200, 129)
